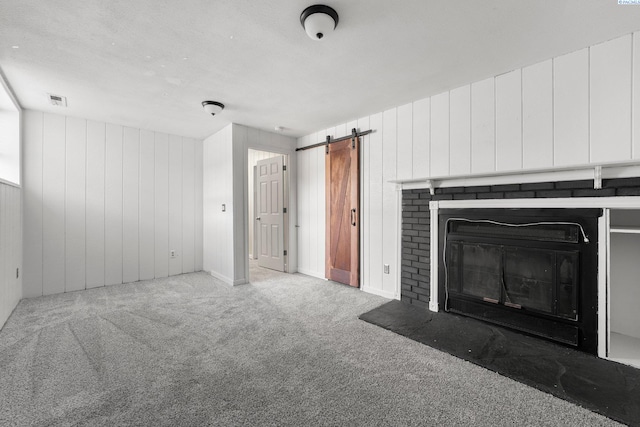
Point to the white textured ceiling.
(150, 63)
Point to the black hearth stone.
(605, 387)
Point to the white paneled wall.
(379, 163)
(537, 116)
(311, 207)
(509, 121)
(610, 100)
(573, 110)
(218, 190)
(97, 204)
(10, 250)
(483, 130)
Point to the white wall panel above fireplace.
(460, 130)
(571, 109)
(610, 100)
(483, 126)
(577, 109)
(421, 139)
(440, 148)
(537, 116)
(509, 121)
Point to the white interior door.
(270, 213)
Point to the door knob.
(257, 218)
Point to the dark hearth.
(600, 385)
(534, 270)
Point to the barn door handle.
(353, 217)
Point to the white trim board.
(608, 171)
(630, 202)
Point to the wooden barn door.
(343, 216)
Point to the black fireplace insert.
(534, 270)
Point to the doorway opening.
(268, 200)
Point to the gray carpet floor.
(284, 350)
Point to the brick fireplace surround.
(415, 283)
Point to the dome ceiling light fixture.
(318, 21)
(212, 107)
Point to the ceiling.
(150, 63)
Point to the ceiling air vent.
(60, 101)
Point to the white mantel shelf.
(625, 230)
(597, 172)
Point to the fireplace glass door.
(538, 280)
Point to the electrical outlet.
(173, 254)
(386, 269)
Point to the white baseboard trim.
(219, 276)
(380, 292)
(311, 273)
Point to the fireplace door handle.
(353, 217)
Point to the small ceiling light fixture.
(212, 107)
(319, 20)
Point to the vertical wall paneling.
(207, 202)
(187, 205)
(571, 109)
(374, 144)
(320, 227)
(146, 210)
(130, 205)
(75, 206)
(405, 142)
(90, 192)
(389, 199)
(32, 193)
(314, 215)
(610, 100)
(175, 204)
(537, 116)
(635, 106)
(10, 250)
(5, 246)
(303, 207)
(239, 177)
(421, 137)
(440, 135)
(53, 189)
(161, 205)
(483, 135)
(113, 205)
(460, 131)
(509, 121)
(198, 205)
(95, 220)
(218, 235)
(363, 124)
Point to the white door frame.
(290, 235)
(266, 217)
